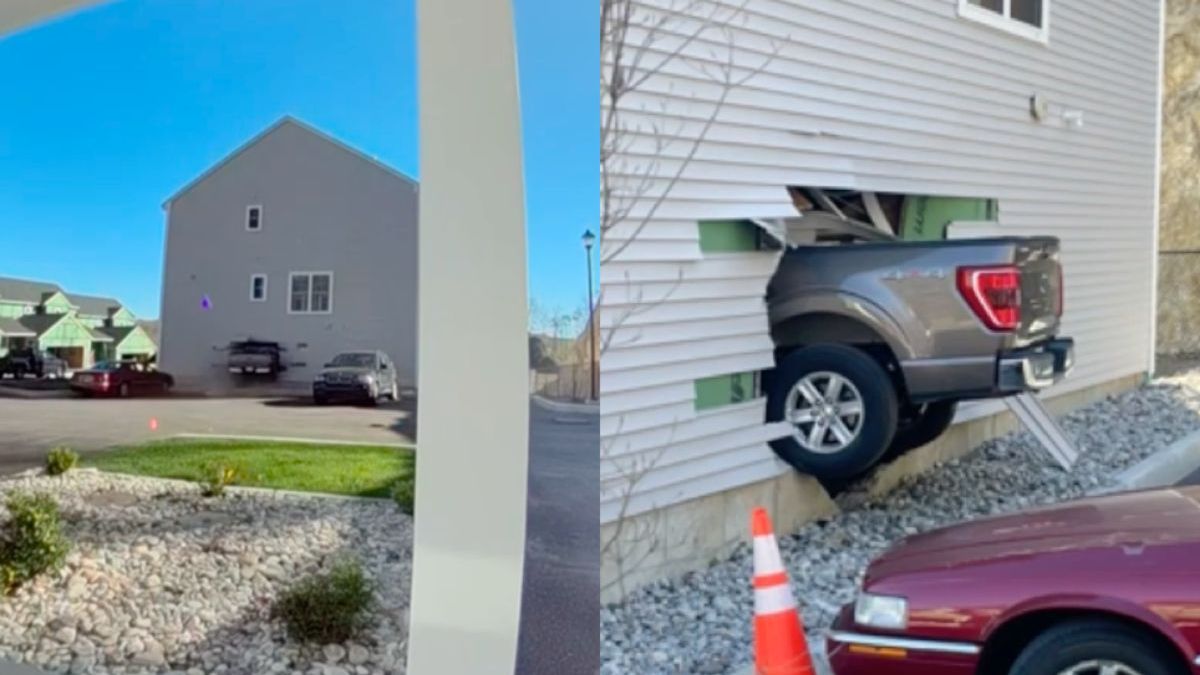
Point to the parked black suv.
(30, 361)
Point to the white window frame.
(1005, 22)
(250, 208)
(310, 275)
(253, 278)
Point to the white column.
(473, 387)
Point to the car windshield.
(105, 365)
(354, 360)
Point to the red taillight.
(103, 380)
(994, 294)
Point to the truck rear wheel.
(842, 408)
(925, 424)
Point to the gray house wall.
(325, 208)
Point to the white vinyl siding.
(882, 95)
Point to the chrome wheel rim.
(826, 412)
(1100, 667)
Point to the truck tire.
(843, 408)
(1098, 645)
(925, 425)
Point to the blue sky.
(107, 112)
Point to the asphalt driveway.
(30, 427)
(560, 599)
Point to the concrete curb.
(34, 394)
(286, 439)
(567, 407)
(230, 489)
(1164, 467)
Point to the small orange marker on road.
(153, 424)
(780, 647)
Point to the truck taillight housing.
(1058, 309)
(994, 294)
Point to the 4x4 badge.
(929, 273)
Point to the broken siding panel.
(854, 101)
(640, 399)
(656, 335)
(713, 267)
(648, 356)
(627, 317)
(651, 250)
(755, 354)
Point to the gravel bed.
(162, 580)
(701, 623)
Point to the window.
(311, 293)
(1027, 18)
(254, 218)
(258, 288)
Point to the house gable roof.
(25, 290)
(10, 327)
(117, 333)
(41, 323)
(93, 305)
(286, 120)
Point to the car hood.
(1131, 519)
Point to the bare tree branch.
(632, 54)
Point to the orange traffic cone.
(779, 644)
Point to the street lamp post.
(588, 240)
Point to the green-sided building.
(81, 329)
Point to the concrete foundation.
(689, 536)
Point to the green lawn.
(368, 471)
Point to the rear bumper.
(1013, 371)
(857, 653)
(1036, 367)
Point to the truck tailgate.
(1041, 288)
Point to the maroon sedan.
(125, 378)
(1101, 586)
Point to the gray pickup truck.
(877, 339)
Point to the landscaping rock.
(358, 654)
(334, 653)
(161, 580)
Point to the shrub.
(326, 608)
(404, 492)
(61, 460)
(219, 476)
(33, 540)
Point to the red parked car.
(1100, 586)
(124, 378)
